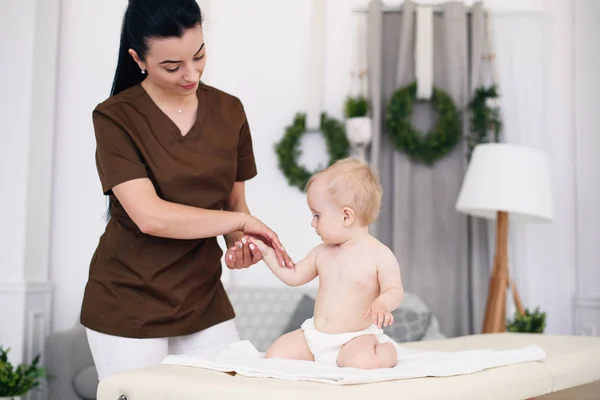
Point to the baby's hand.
(266, 250)
(381, 315)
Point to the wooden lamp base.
(495, 310)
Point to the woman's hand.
(242, 255)
(254, 227)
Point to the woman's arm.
(239, 255)
(158, 217)
(236, 203)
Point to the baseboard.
(586, 315)
(25, 287)
(591, 302)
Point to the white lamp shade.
(510, 178)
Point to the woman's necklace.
(181, 107)
(186, 104)
(179, 110)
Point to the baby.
(359, 277)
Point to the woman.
(172, 155)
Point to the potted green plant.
(529, 322)
(16, 382)
(358, 122)
(357, 106)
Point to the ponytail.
(128, 73)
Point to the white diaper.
(325, 347)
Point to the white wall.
(29, 41)
(587, 165)
(554, 260)
(89, 41)
(259, 53)
(16, 41)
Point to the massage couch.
(569, 361)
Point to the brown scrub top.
(145, 286)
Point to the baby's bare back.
(347, 287)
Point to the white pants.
(114, 354)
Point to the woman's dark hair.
(146, 19)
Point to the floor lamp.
(505, 180)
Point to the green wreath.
(486, 123)
(433, 145)
(288, 148)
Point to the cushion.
(262, 313)
(411, 319)
(85, 382)
(304, 310)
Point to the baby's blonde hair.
(353, 183)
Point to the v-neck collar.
(159, 118)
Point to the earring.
(143, 71)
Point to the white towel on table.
(243, 358)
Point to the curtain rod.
(440, 11)
(398, 9)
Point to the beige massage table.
(571, 361)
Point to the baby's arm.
(390, 282)
(391, 290)
(303, 271)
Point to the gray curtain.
(443, 254)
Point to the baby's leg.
(291, 346)
(365, 352)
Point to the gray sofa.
(263, 314)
